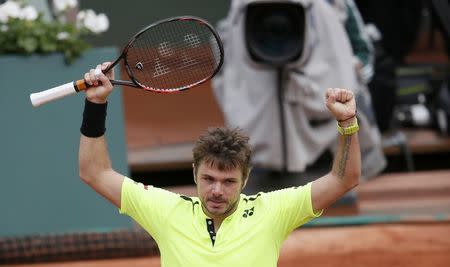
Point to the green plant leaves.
(19, 36)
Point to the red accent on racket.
(168, 56)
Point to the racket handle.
(57, 92)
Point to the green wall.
(40, 189)
(127, 17)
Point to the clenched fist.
(341, 103)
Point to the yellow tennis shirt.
(251, 236)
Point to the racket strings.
(174, 56)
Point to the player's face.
(218, 190)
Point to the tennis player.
(222, 226)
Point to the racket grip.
(57, 92)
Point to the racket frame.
(135, 83)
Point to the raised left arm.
(346, 169)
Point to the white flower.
(102, 23)
(93, 22)
(62, 5)
(29, 13)
(80, 17)
(9, 9)
(62, 35)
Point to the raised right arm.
(94, 164)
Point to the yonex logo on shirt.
(248, 212)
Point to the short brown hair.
(223, 148)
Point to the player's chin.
(217, 208)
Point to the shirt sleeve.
(147, 205)
(292, 208)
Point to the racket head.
(173, 54)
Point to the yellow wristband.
(349, 130)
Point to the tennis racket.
(168, 56)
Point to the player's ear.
(194, 173)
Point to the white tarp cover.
(247, 92)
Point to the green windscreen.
(40, 190)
